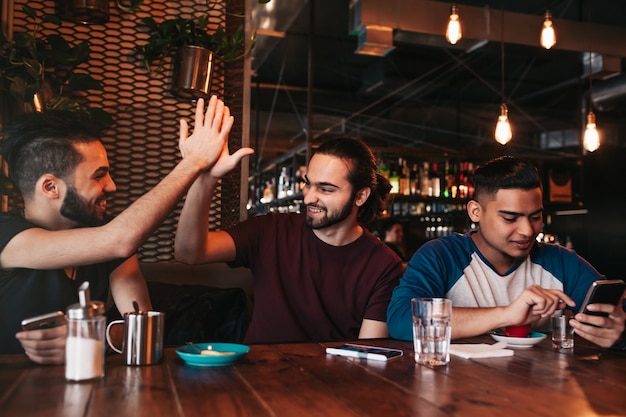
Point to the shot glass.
(431, 330)
(562, 332)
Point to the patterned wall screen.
(143, 141)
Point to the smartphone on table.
(365, 352)
(44, 321)
(604, 291)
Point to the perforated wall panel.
(143, 141)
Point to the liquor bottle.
(404, 182)
(435, 182)
(283, 183)
(425, 189)
(298, 179)
(268, 192)
(446, 187)
(383, 170)
(414, 180)
(463, 191)
(394, 179)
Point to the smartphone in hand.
(44, 321)
(603, 291)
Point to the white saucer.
(520, 342)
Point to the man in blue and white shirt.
(499, 275)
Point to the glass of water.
(562, 332)
(431, 330)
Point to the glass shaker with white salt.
(85, 347)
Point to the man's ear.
(50, 186)
(474, 211)
(362, 195)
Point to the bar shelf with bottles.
(419, 188)
(428, 197)
(280, 193)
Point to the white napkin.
(480, 350)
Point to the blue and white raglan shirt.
(453, 267)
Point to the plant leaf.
(84, 82)
(52, 19)
(133, 7)
(100, 116)
(63, 103)
(30, 12)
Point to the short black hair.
(35, 144)
(505, 172)
(363, 173)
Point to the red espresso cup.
(516, 331)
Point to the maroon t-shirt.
(307, 290)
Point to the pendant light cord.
(590, 55)
(502, 55)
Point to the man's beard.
(326, 221)
(74, 208)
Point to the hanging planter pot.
(193, 72)
(94, 12)
(195, 47)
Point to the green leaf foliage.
(170, 35)
(46, 64)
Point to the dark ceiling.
(428, 97)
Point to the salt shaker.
(85, 347)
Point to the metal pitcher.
(143, 337)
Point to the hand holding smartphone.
(603, 292)
(44, 321)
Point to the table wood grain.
(302, 380)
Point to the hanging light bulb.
(591, 139)
(503, 132)
(453, 32)
(503, 128)
(548, 35)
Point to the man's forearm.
(135, 224)
(128, 285)
(193, 225)
(468, 322)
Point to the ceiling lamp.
(453, 32)
(503, 132)
(503, 128)
(591, 139)
(548, 35)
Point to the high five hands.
(209, 140)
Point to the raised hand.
(227, 162)
(210, 133)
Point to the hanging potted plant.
(40, 72)
(193, 49)
(95, 12)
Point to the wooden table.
(301, 380)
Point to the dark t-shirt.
(307, 290)
(396, 250)
(28, 292)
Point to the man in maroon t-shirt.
(319, 275)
